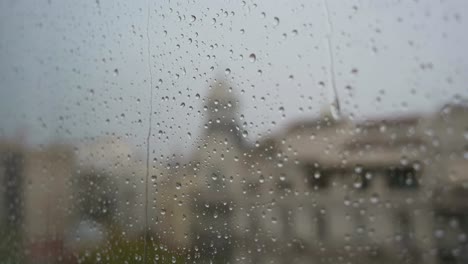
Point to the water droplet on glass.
(276, 21)
(374, 198)
(261, 179)
(439, 233)
(252, 57)
(358, 169)
(357, 184)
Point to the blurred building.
(201, 201)
(449, 135)
(110, 184)
(36, 201)
(324, 190)
(58, 200)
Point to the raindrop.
(227, 71)
(357, 183)
(374, 198)
(245, 133)
(439, 233)
(276, 21)
(358, 169)
(252, 57)
(193, 18)
(261, 179)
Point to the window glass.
(179, 131)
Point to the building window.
(215, 180)
(361, 180)
(317, 178)
(284, 185)
(321, 224)
(402, 178)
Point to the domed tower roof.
(222, 106)
(221, 92)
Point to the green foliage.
(10, 246)
(118, 249)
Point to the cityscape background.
(233, 131)
(324, 190)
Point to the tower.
(222, 106)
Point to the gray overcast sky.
(71, 69)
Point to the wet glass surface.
(233, 131)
